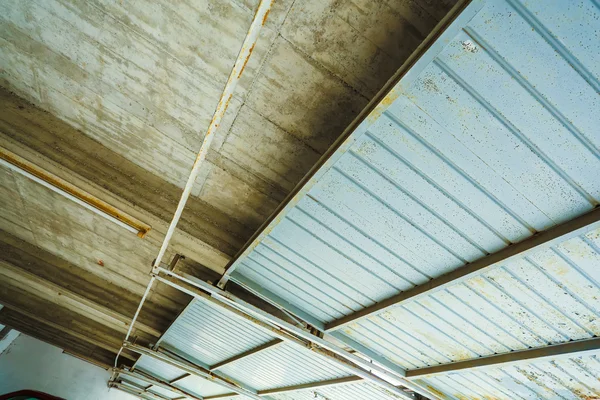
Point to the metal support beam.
(192, 369)
(141, 393)
(155, 382)
(539, 241)
(245, 354)
(573, 349)
(296, 388)
(334, 353)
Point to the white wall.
(28, 363)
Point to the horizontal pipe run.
(142, 394)
(192, 369)
(155, 382)
(349, 361)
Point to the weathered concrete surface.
(128, 89)
(143, 78)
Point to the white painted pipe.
(137, 312)
(236, 73)
(244, 55)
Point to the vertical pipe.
(242, 59)
(238, 68)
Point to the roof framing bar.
(282, 329)
(539, 241)
(140, 393)
(245, 354)
(192, 369)
(153, 381)
(295, 388)
(573, 349)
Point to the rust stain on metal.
(264, 21)
(74, 191)
(246, 60)
(383, 105)
(435, 391)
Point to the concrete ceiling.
(115, 97)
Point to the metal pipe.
(242, 59)
(193, 369)
(155, 382)
(137, 312)
(351, 362)
(259, 20)
(135, 391)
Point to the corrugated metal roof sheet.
(355, 391)
(158, 368)
(283, 365)
(491, 137)
(203, 387)
(192, 384)
(551, 296)
(561, 378)
(208, 335)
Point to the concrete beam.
(56, 294)
(104, 344)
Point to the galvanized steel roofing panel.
(158, 368)
(207, 334)
(481, 148)
(200, 386)
(166, 372)
(354, 391)
(282, 365)
(562, 378)
(491, 137)
(550, 296)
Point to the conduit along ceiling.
(447, 245)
